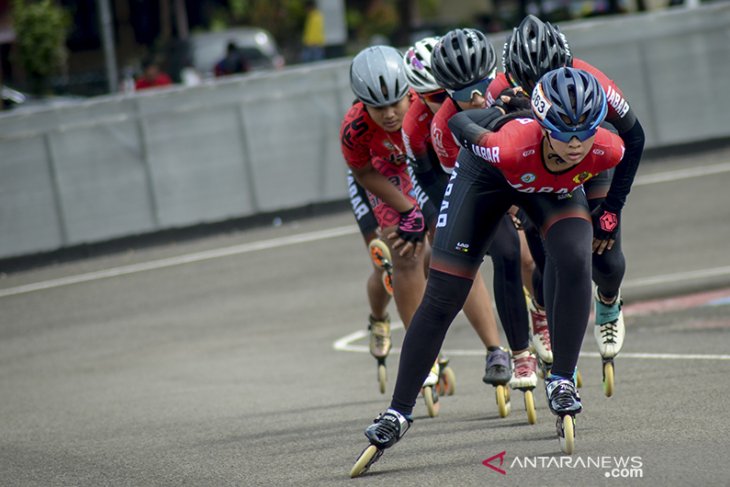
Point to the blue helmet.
(569, 100)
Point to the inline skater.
(426, 171)
(533, 49)
(539, 165)
(373, 149)
(464, 63)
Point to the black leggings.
(475, 202)
(608, 268)
(504, 252)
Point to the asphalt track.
(239, 359)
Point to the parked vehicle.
(256, 45)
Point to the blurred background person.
(313, 35)
(233, 62)
(152, 76)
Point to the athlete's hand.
(605, 226)
(513, 100)
(410, 233)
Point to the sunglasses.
(582, 135)
(438, 96)
(465, 94)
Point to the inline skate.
(498, 373)
(380, 344)
(609, 332)
(564, 402)
(387, 429)
(524, 378)
(380, 255)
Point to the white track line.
(663, 177)
(183, 259)
(346, 344)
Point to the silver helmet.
(378, 77)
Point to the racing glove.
(412, 227)
(517, 101)
(605, 223)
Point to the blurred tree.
(41, 28)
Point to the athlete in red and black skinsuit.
(502, 169)
(364, 142)
(416, 133)
(504, 251)
(609, 267)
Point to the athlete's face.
(477, 101)
(390, 118)
(571, 152)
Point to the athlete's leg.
(610, 266)
(409, 281)
(568, 289)
(480, 313)
(508, 293)
(378, 297)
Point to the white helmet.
(418, 65)
(377, 76)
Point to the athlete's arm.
(623, 178)
(370, 179)
(468, 126)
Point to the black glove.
(605, 223)
(517, 101)
(412, 227)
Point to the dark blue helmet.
(569, 100)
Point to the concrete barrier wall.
(125, 165)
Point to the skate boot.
(540, 334)
(498, 369)
(609, 330)
(498, 373)
(380, 344)
(386, 430)
(380, 255)
(429, 391)
(524, 375)
(609, 333)
(379, 336)
(562, 395)
(563, 401)
(524, 378)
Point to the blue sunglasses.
(582, 135)
(465, 94)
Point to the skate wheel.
(368, 456)
(567, 434)
(382, 377)
(430, 396)
(530, 407)
(447, 382)
(388, 282)
(503, 403)
(608, 379)
(578, 380)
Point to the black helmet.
(534, 48)
(461, 58)
(569, 100)
(378, 77)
